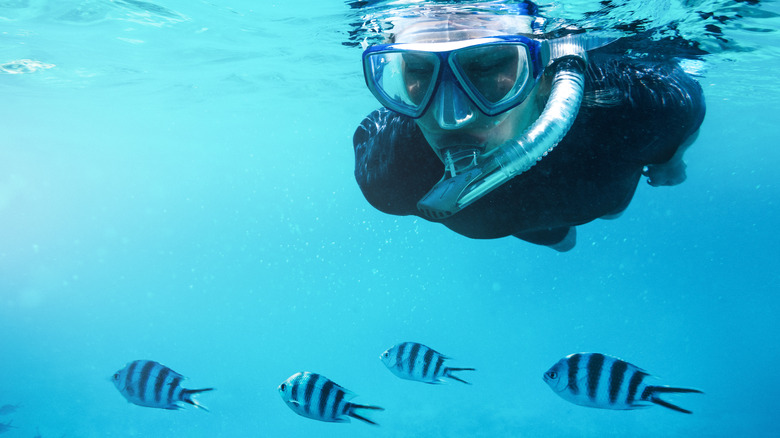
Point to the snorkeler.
(536, 133)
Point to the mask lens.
(419, 72)
(496, 75)
(402, 81)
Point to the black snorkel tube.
(456, 191)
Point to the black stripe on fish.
(144, 378)
(399, 358)
(413, 357)
(439, 363)
(427, 360)
(616, 375)
(337, 404)
(633, 386)
(309, 391)
(594, 373)
(129, 378)
(325, 395)
(574, 367)
(172, 390)
(647, 393)
(294, 389)
(159, 383)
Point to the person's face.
(493, 71)
(452, 119)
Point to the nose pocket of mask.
(452, 107)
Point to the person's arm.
(394, 165)
(658, 110)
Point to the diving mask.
(496, 73)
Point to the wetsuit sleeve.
(394, 165)
(653, 105)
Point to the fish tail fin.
(652, 394)
(187, 397)
(448, 373)
(351, 412)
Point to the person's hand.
(667, 174)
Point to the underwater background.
(176, 184)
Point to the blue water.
(176, 184)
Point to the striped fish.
(600, 381)
(8, 409)
(315, 396)
(148, 383)
(5, 427)
(413, 361)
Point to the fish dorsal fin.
(348, 395)
(641, 370)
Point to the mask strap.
(576, 45)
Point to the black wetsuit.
(634, 113)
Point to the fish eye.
(552, 374)
(282, 386)
(385, 354)
(116, 376)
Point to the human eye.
(495, 61)
(417, 65)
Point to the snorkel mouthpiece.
(462, 185)
(460, 160)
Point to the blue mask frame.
(446, 69)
